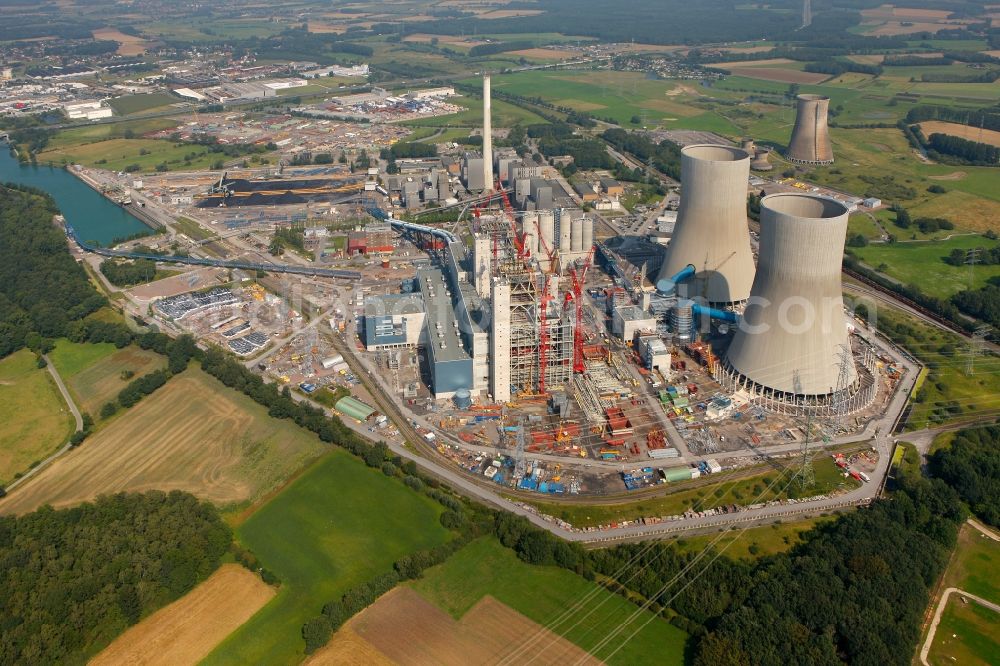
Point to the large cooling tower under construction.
(794, 331)
(810, 143)
(711, 233)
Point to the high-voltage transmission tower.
(841, 395)
(806, 476)
(976, 344)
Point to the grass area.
(718, 490)
(129, 104)
(860, 223)
(192, 229)
(100, 381)
(639, 193)
(72, 358)
(505, 114)
(335, 526)
(76, 136)
(752, 543)
(484, 567)
(34, 420)
(147, 154)
(967, 634)
(922, 263)
(974, 565)
(948, 394)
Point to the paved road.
(66, 447)
(926, 648)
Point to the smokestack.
(487, 135)
(711, 232)
(810, 142)
(794, 325)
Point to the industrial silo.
(576, 235)
(793, 333)
(547, 229)
(810, 142)
(711, 231)
(588, 233)
(565, 220)
(529, 225)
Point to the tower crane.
(577, 295)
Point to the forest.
(71, 580)
(971, 466)
(970, 152)
(123, 273)
(42, 289)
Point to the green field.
(335, 526)
(34, 420)
(129, 104)
(719, 491)
(484, 567)
(118, 154)
(76, 136)
(967, 634)
(922, 263)
(72, 358)
(192, 229)
(752, 543)
(504, 115)
(100, 381)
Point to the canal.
(94, 217)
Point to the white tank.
(547, 229)
(588, 233)
(529, 224)
(564, 233)
(576, 235)
(711, 233)
(793, 330)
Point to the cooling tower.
(711, 231)
(487, 135)
(794, 325)
(547, 230)
(759, 162)
(810, 143)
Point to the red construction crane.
(509, 212)
(578, 280)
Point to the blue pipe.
(724, 315)
(669, 285)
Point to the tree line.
(970, 464)
(74, 579)
(43, 291)
(970, 152)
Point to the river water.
(94, 217)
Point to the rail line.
(220, 263)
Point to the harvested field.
(101, 382)
(128, 45)
(346, 648)
(193, 434)
(509, 13)
(756, 63)
(424, 38)
(775, 74)
(546, 54)
(186, 631)
(991, 137)
(404, 628)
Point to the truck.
(864, 477)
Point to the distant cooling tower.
(759, 162)
(810, 143)
(794, 326)
(711, 231)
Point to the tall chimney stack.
(487, 135)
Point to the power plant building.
(810, 142)
(450, 364)
(711, 233)
(393, 320)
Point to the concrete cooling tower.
(794, 326)
(810, 143)
(711, 233)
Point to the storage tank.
(462, 398)
(792, 336)
(711, 232)
(576, 235)
(547, 229)
(682, 319)
(529, 224)
(588, 233)
(810, 142)
(677, 474)
(565, 220)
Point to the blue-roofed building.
(393, 320)
(450, 364)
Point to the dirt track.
(188, 629)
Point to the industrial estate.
(453, 341)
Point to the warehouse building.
(393, 320)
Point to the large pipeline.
(714, 313)
(383, 216)
(668, 286)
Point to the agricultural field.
(543, 594)
(77, 136)
(504, 115)
(403, 627)
(722, 489)
(991, 137)
(186, 631)
(193, 434)
(34, 420)
(99, 381)
(922, 263)
(335, 526)
(129, 104)
(128, 45)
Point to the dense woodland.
(72, 580)
(971, 465)
(42, 289)
(123, 273)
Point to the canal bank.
(94, 217)
(134, 209)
